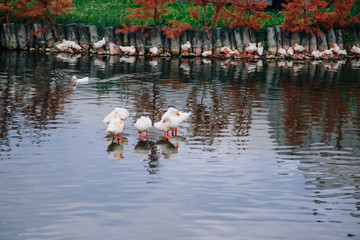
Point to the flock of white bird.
(251, 49)
(170, 121)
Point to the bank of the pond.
(236, 39)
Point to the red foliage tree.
(340, 17)
(305, 15)
(11, 9)
(176, 29)
(246, 13)
(47, 11)
(149, 9)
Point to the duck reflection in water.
(115, 149)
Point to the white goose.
(185, 47)
(260, 49)
(115, 127)
(117, 113)
(100, 43)
(84, 80)
(169, 121)
(129, 50)
(143, 124)
(154, 51)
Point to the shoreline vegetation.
(90, 22)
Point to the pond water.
(271, 150)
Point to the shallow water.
(271, 150)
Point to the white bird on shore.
(143, 124)
(335, 49)
(316, 54)
(129, 50)
(225, 50)
(298, 48)
(80, 80)
(355, 50)
(206, 54)
(327, 52)
(282, 52)
(117, 113)
(251, 48)
(100, 43)
(154, 51)
(260, 49)
(290, 51)
(185, 47)
(66, 45)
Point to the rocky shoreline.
(238, 39)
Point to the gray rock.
(295, 38)
(331, 37)
(73, 32)
(225, 37)
(271, 38)
(39, 38)
(109, 35)
(84, 37)
(322, 42)
(278, 31)
(21, 36)
(140, 42)
(61, 31)
(30, 38)
(245, 36)
(49, 37)
(174, 46)
(93, 35)
(216, 40)
(238, 40)
(206, 42)
(2, 37)
(339, 38)
(196, 43)
(313, 43)
(305, 41)
(113, 49)
(286, 40)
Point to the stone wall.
(84, 35)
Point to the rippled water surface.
(271, 150)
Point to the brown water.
(271, 150)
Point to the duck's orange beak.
(178, 114)
(121, 119)
(72, 79)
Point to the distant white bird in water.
(80, 80)
(143, 124)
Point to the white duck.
(335, 49)
(316, 54)
(66, 45)
(298, 48)
(251, 48)
(154, 51)
(206, 54)
(290, 51)
(327, 52)
(260, 49)
(185, 47)
(143, 124)
(115, 127)
(282, 51)
(100, 43)
(225, 50)
(84, 80)
(130, 50)
(117, 113)
(355, 50)
(169, 121)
